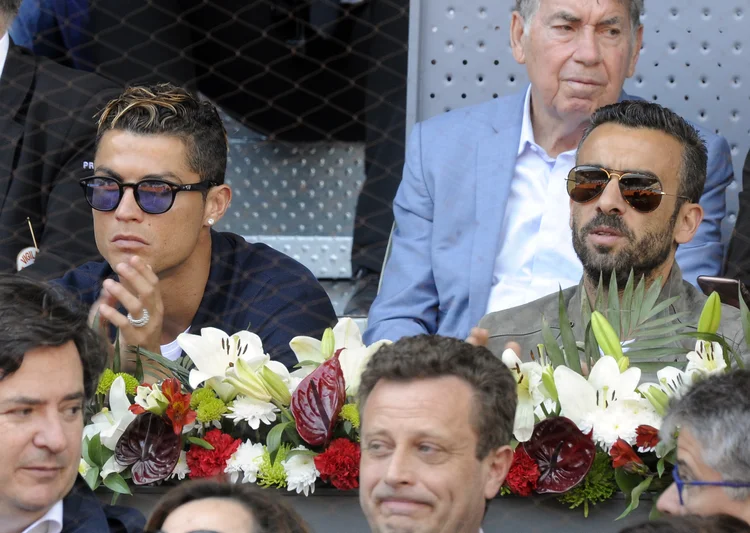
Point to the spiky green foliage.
(598, 486)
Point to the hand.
(478, 337)
(143, 293)
(512, 345)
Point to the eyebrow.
(417, 435)
(624, 171)
(573, 19)
(27, 400)
(684, 467)
(158, 176)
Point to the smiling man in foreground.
(437, 418)
(640, 170)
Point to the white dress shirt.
(536, 254)
(52, 522)
(4, 46)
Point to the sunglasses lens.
(643, 193)
(154, 197)
(103, 194)
(585, 184)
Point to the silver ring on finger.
(139, 322)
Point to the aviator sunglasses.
(153, 196)
(643, 192)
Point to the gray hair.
(528, 8)
(717, 412)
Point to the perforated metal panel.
(298, 198)
(695, 60)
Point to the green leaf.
(200, 442)
(592, 347)
(660, 331)
(85, 450)
(138, 368)
(599, 302)
(307, 362)
(91, 477)
(95, 451)
(554, 352)
(291, 431)
(626, 482)
(658, 308)
(745, 317)
(613, 316)
(649, 300)
(568, 339)
(626, 307)
(660, 467)
(655, 353)
(635, 497)
(117, 484)
(347, 427)
(306, 453)
(177, 370)
(637, 306)
(273, 440)
(116, 359)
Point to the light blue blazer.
(449, 213)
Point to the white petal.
(279, 369)
(214, 336)
(605, 373)
(628, 381)
(118, 398)
(250, 342)
(347, 335)
(307, 349)
(576, 396)
(353, 361)
(510, 358)
(208, 357)
(523, 425)
(111, 466)
(197, 377)
(302, 372)
(110, 436)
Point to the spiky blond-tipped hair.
(164, 109)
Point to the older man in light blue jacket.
(482, 214)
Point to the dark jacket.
(738, 256)
(250, 286)
(523, 324)
(47, 136)
(84, 513)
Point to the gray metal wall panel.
(695, 60)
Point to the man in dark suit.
(47, 134)
(50, 362)
(738, 257)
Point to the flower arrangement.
(585, 425)
(230, 410)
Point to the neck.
(182, 289)
(554, 133)
(592, 285)
(19, 522)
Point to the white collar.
(4, 46)
(53, 519)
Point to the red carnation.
(624, 456)
(647, 439)
(210, 463)
(524, 473)
(339, 464)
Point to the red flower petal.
(564, 454)
(317, 402)
(524, 473)
(647, 437)
(339, 464)
(211, 463)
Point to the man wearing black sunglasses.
(640, 170)
(711, 423)
(156, 192)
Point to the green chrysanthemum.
(210, 409)
(108, 377)
(350, 413)
(273, 475)
(200, 395)
(598, 486)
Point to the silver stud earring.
(210, 221)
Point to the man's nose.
(669, 501)
(588, 51)
(400, 469)
(128, 208)
(610, 201)
(51, 434)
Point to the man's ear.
(517, 34)
(636, 52)
(499, 465)
(217, 203)
(688, 220)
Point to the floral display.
(587, 423)
(229, 410)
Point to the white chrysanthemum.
(252, 411)
(620, 421)
(246, 461)
(300, 472)
(181, 469)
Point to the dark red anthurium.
(178, 411)
(317, 402)
(562, 451)
(150, 447)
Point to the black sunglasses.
(642, 192)
(153, 196)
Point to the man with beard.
(640, 170)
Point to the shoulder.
(526, 319)
(474, 119)
(84, 513)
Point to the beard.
(643, 256)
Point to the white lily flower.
(181, 469)
(111, 423)
(151, 399)
(245, 462)
(300, 472)
(529, 383)
(593, 403)
(111, 467)
(353, 362)
(252, 411)
(213, 353)
(707, 359)
(83, 467)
